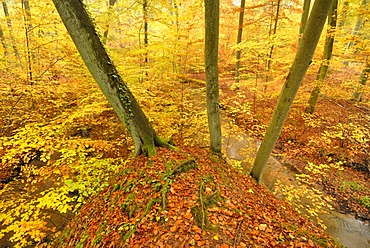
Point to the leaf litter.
(210, 204)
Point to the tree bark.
(299, 68)
(304, 18)
(239, 40)
(86, 39)
(325, 62)
(211, 66)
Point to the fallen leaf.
(262, 227)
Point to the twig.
(238, 232)
(202, 204)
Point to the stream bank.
(345, 228)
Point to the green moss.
(365, 201)
(353, 185)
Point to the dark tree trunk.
(269, 57)
(239, 40)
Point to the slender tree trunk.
(146, 41)
(325, 62)
(239, 40)
(84, 35)
(357, 95)
(269, 57)
(105, 34)
(10, 27)
(211, 67)
(28, 33)
(304, 18)
(299, 68)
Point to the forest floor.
(165, 201)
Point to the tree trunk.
(357, 95)
(84, 35)
(239, 40)
(304, 18)
(211, 66)
(325, 62)
(299, 68)
(10, 27)
(145, 19)
(105, 34)
(28, 33)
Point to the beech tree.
(93, 53)
(302, 60)
(211, 66)
(325, 62)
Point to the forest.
(215, 123)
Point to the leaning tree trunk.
(299, 68)
(211, 66)
(325, 62)
(357, 95)
(84, 35)
(239, 40)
